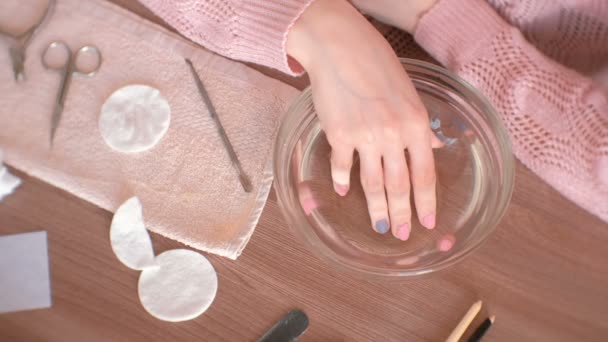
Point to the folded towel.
(186, 183)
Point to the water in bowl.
(343, 223)
(474, 183)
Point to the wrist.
(418, 9)
(325, 24)
(402, 14)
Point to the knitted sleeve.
(248, 30)
(557, 118)
(573, 33)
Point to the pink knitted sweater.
(539, 62)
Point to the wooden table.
(544, 274)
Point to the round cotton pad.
(181, 286)
(129, 238)
(134, 118)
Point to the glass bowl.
(475, 175)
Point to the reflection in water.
(446, 242)
(307, 201)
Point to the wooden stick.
(465, 322)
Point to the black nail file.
(288, 329)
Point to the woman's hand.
(366, 102)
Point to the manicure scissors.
(68, 69)
(22, 41)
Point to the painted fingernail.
(446, 243)
(403, 232)
(429, 221)
(342, 190)
(309, 205)
(382, 226)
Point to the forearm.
(557, 118)
(248, 30)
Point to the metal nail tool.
(67, 69)
(22, 41)
(243, 178)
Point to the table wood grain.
(544, 274)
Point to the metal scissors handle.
(66, 70)
(22, 41)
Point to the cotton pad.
(129, 238)
(134, 118)
(181, 286)
(175, 286)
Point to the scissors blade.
(17, 52)
(55, 119)
(32, 31)
(17, 58)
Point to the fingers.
(436, 142)
(372, 180)
(307, 201)
(423, 179)
(341, 163)
(397, 183)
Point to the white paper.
(8, 182)
(24, 272)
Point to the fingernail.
(309, 205)
(429, 221)
(446, 243)
(382, 226)
(403, 232)
(342, 190)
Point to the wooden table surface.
(544, 274)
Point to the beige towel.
(188, 188)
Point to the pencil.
(465, 322)
(478, 334)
